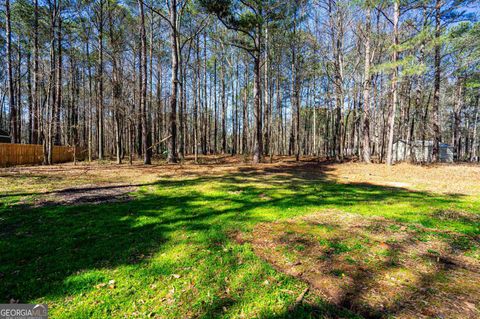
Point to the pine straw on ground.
(374, 266)
(105, 181)
(440, 178)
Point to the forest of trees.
(336, 79)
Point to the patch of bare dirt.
(373, 266)
(86, 195)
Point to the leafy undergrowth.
(377, 267)
(169, 252)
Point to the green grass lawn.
(170, 251)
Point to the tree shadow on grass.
(346, 259)
(41, 247)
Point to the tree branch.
(159, 13)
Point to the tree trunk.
(215, 115)
(48, 140)
(36, 98)
(90, 113)
(257, 110)
(244, 112)
(266, 96)
(224, 109)
(205, 100)
(474, 156)
(18, 91)
(391, 118)
(31, 111)
(366, 91)
(436, 86)
(11, 94)
(195, 110)
(456, 117)
(58, 90)
(146, 150)
(100, 84)
(117, 92)
(172, 142)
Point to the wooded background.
(333, 79)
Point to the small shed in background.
(5, 137)
(420, 152)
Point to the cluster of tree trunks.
(123, 81)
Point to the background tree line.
(327, 78)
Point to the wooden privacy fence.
(18, 154)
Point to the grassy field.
(206, 241)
